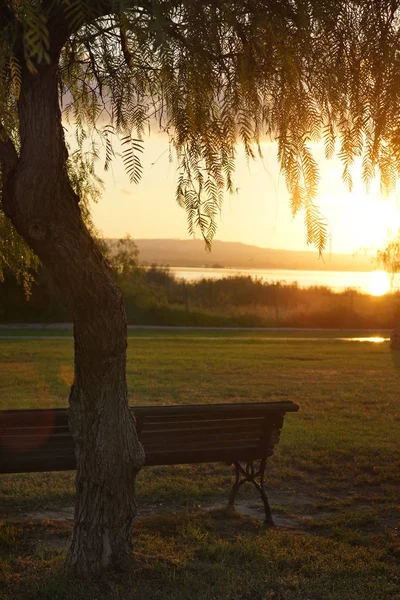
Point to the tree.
(211, 74)
(389, 258)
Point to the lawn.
(334, 480)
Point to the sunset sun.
(379, 283)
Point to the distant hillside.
(191, 253)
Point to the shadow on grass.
(202, 556)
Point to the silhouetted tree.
(389, 258)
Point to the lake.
(336, 280)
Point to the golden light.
(379, 283)
(359, 220)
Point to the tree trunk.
(39, 199)
(395, 338)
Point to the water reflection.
(374, 339)
(276, 338)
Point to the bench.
(240, 434)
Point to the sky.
(258, 214)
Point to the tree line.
(153, 295)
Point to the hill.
(191, 253)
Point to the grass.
(334, 477)
(199, 556)
(55, 330)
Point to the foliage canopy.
(211, 74)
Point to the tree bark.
(39, 199)
(395, 338)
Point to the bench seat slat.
(254, 429)
(165, 419)
(198, 418)
(29, 449)
(145, 430)
(184, 436)
(64, 460)
(150, 423)
(67, 462)
(58, 446)
(163, 433)
(32, 429)
(240, 409)
(198, 444)
(29, 452)
(229, 455)
(201, 444)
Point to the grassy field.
(334, 480)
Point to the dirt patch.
(59, 514)
(290, 509)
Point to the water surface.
(336, 280)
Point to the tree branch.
(8, 153)
(60, 26)
(6, 15)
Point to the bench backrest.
(39, 439)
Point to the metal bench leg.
(260, 487)
(249, 473)
(236, 486)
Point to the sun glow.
(361, 220)
(379, 283)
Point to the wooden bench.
(240, 434)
